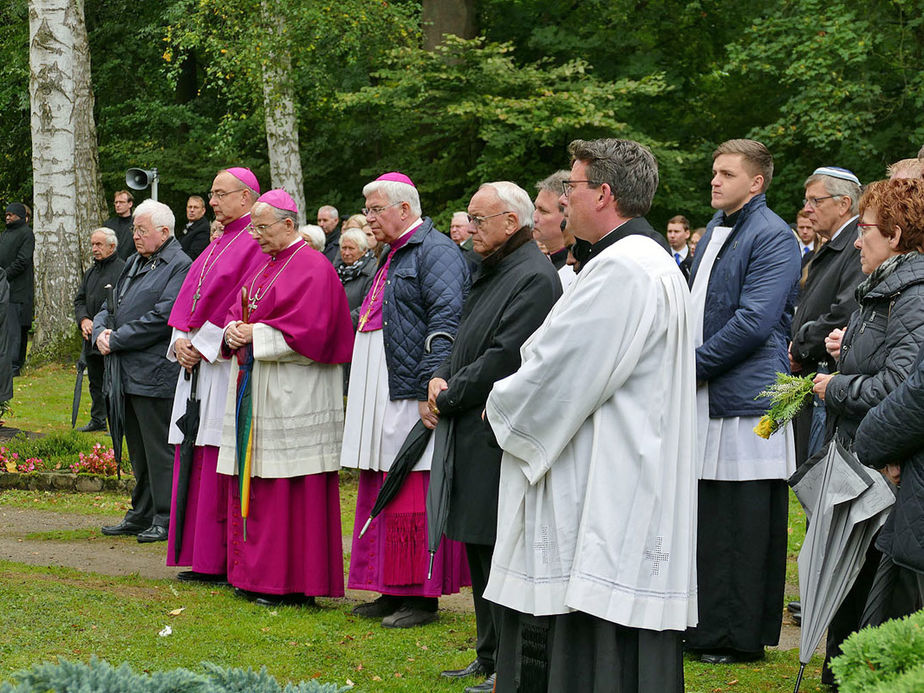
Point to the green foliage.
(98, 676)
(787, 397)
(887, 659)
(468, 112)
(15, 136)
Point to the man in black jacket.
(832, 197)
(195, 237)
(107, 265)
(121, 223)
(6, 373)
(138, 335)
(17, 245)
(514, 290)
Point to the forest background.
(180, 85)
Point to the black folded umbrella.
(411, 449)
(112, 386)
(188, 424)
(440, 486)
(78, 385)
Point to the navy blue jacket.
(749, 307)
(428, 280)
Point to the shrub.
(98, 676)
(889, 658)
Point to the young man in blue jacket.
(744, 282)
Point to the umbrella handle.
(430, 568)
(365, 527)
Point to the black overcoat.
(17, 246)
(827, 299)
(508, 301)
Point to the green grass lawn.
(48, 612)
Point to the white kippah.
(837, 172)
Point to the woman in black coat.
(356, 270)
(513, 291)
(879, 347)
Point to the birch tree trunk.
(279, 107)
(68, 196)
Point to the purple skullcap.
(397, 177)
(245, 175)
(279, 199)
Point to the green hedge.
(99, 676)
(887, 659)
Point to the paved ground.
(112, 555)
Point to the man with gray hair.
(404, 332)
(135, 332)
(832, 198)
(514, 290)
(595, 550)
(329, 221)
(105, 270)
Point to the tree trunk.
(279, 106)
(68, 197)
(438, 17)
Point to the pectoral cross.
(194, 302)
(362, 321)
(252, 303)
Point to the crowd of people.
(587, 386)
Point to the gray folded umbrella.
(846, 503)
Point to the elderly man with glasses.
(135, 332)
(832, 197)
(212, 287)
(405, 330)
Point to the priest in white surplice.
(596, 527)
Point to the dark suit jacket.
(827, 300)
(196, 238)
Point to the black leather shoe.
(731, 657)
(794, 607)
(152, 534)
(476, 668)
(295, 599)
(384, 606)
(409, 617)
(485, 686)
(246, 594)
(123, 528)
(93, 426)
(205, 578)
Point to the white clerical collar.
(834, 235)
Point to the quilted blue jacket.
(428, 280)
(749, 307)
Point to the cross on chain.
(655, 556)
(547, 545)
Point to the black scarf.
(350, 272)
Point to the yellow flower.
(765, 427)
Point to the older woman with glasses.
(878, 349)
(356, 269)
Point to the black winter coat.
(356, 287)
(17, 246)
(508, 301)
(92, 293)
(827, 300)
(893, 431)
(145, 293)
(196, 238)
(879, 347)
(6, 366)
(123, 230)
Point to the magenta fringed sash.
(406, 533)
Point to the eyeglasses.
(260, 229)
(568, 185)
(222, 195)
(813, 201)
(478, 221)
(375, 211)
(141, 233)
(861, 229)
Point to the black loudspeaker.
(139, 178)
